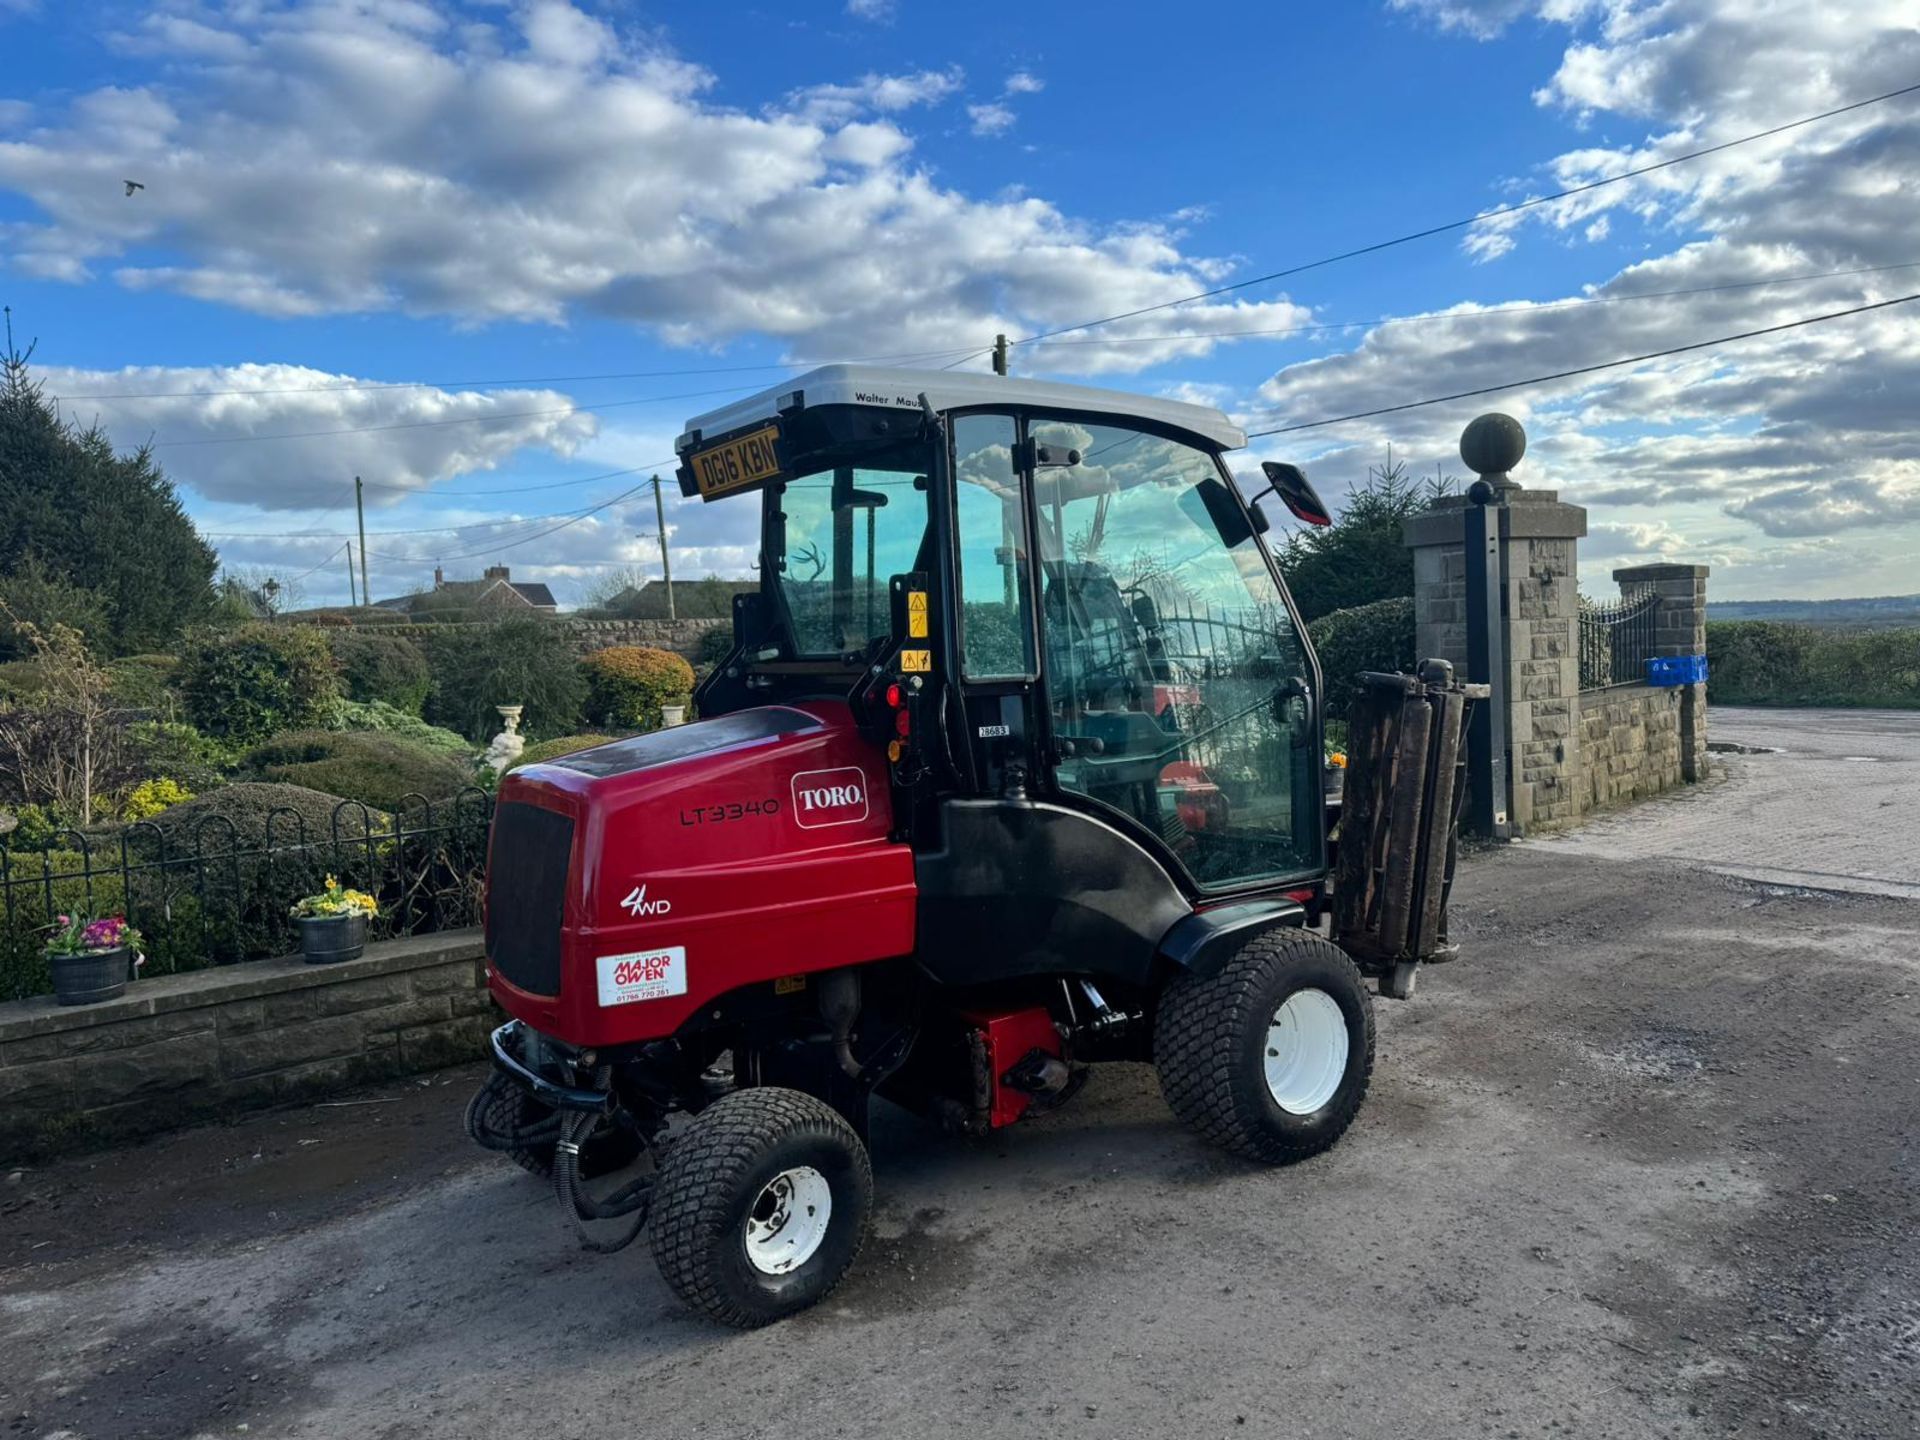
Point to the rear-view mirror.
(1296, 492)
(1222, 509)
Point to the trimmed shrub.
(377, 770)
(562, 745)
(1768, 662)
(246, 684)
(379, 718)
(385, 668)
(248, 806)
(477, 668)
(627, 685)
(1379, 636)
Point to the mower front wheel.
(1271, 1056)
(761, 1206)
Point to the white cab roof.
(895, 389)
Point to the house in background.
(495, 595)
(708, 599)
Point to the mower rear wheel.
(760, 1206)
(1271, 1056)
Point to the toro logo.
(829, 797)
(642, 975)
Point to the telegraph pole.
(360, 509)
(660, 524)
(352, 599)
(999, 354)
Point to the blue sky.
(416, 193)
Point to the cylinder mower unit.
(1014, 766)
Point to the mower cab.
(1014, 765)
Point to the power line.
(1519, 307)
(1583, 369)
(420, 530)
(428, 493)
(524, 539)
(1482, 218)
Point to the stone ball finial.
(1493, 444)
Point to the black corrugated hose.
(632, 1199)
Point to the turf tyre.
(1210, 1046)
(710, 1179)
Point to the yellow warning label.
(916, 625)
(916, 661)
(789, 984)
(916, 602)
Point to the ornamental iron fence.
(206, 892)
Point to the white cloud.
(410, 438)
(1023, 83)
(544, 167)
(1763, 453)
(878, 11)
(991, 119)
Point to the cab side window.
(996, 630)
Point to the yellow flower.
(1338, 759)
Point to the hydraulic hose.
(492, 1116)
(632, 1200)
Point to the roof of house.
(897, 389)
(466, 594)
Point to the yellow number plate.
(736, 465)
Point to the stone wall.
(1629, 744)
(1568, 751)
(181, 1046)
(583, 636)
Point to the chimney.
(438, 578)
(495, 572)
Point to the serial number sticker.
(642, 975)
(916, 661)
(916, 624)
(720, 814)
(994, 732)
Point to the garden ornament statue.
(508, 744)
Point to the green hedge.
(382, 668)
(1770, 662)
(245, 684)
(517, 662)
(377, 770)
(1379, 636)
(627, 685)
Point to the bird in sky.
(133, 185)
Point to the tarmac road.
(1642, 1164)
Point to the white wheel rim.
(788, 1220)
(1306, 1051)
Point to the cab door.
(996, 652)
(1177, 693)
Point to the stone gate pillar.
(1538, 677)
(1680, 628)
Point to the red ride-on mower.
(1015, 766)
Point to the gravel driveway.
(1642, 1164)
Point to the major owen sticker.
(643, 975)
(829, 797)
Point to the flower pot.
(671, 715)
(325, 939)
(90, 976)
